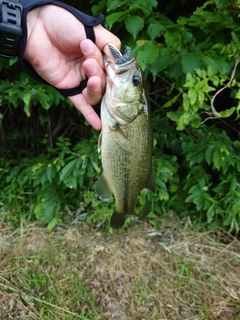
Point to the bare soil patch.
(77, 272)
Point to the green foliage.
(213, 178)
(48, 156)
(195, 53)
(24, 92)
(56, 180)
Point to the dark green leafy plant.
(49, 161)
(57, 180)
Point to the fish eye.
(136, 80)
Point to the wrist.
(10, 27)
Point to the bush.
(49, 159)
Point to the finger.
(104, 37)
(91, 69)
(87, 111)
(91, 51)
(93, 93)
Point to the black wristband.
(10, 27)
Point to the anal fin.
(102, 189)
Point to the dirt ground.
(78, 272)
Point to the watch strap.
(10, 27)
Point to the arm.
(54, 49)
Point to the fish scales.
(126, 141)
(127, 169)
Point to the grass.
(77, 272)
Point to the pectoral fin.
(102, 189)
(121, 138)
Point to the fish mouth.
(121, 59)
(123, 62)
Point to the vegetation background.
(59, 258)
(48, 154)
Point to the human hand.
(58, 50)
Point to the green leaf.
(199, 85)
(114, 4)
(196, 157)
(195, 121)
(150, 3)
(147, 54)
(50, 173)
(44, 210)
(236, 207)
(134, 24)
(164, 59)
(192, 95)
(227, 113)
(100, 7)
(190, 81)
(13, 61)
(155, 30)
(13, 173)
(174, 116)
(190, 61)
(211, 16)
(43, 99)
(26, 100)
(172, 36)
(217, 159)
(115, 17)
(209, 154)
(175, 68)
(186, 102)
(222, 3)
(171, 101)
(187, 37)
(210, 62)
(144, 6)
(201, 97)
(210, 213)
(234, 37)
(217, 64)
(183, 121)
(196, 198)
(52, 223)
(163, 195)
(65, 172)
(223, 66)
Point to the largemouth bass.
(126, 139)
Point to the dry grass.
(138, 273)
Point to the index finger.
(87, 111)
(91, 51)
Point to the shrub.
(49, 159)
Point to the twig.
(214, 111)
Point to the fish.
(126, 139)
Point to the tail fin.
(117, 220)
